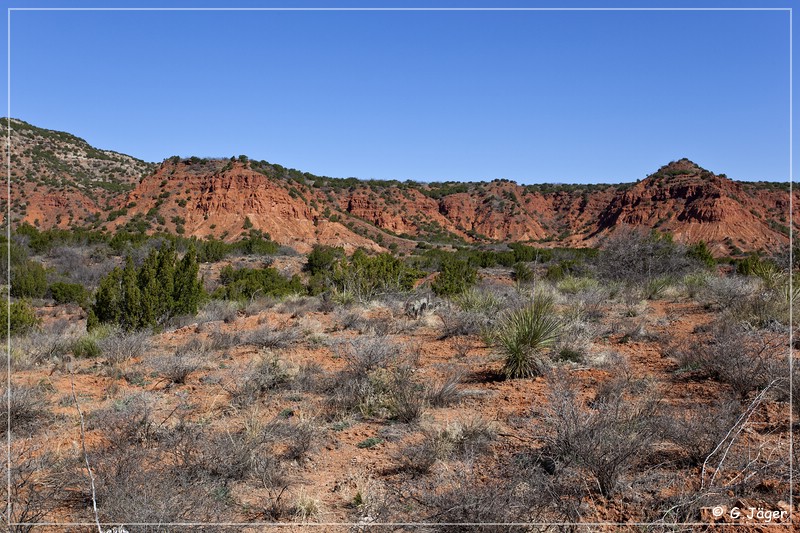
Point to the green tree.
(28, 280)
(165, 273)
(132, 312)
(150, 289)
(455, 277)
(107, 305)
(188, 289)
(148, 296)
(322, 258)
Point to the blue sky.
(579, 96)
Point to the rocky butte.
(59, 180)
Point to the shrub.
(246, 283)
(607, 437)
(369, 442)
(464, 497)
(727, 292)
(445, 392)
(212, 250)
(572, 285)
(455, 277)
(322, 259)
(524, 334)
(161, 288)
(39, 347)
(365, 354)
(634, 256)
(267, 337)
(215, 310)
(459, 440)
(176, 368)
(522, 272)
(406, 400)
(698, 429)
(655, 288)
(365, 384)
(695, 284)
(23, 318)
(735, 354)
(37, 489)
(366, 277)
(25, 406)
(119, 345)
(85, 346)
(127, 421)
(265, 375)
(257, 242)
(68, 293)
(28, 280)
(460, 323)
(700, 253)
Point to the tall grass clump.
(523, 336)
(478, 301)
(573, 285)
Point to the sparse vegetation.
(447, 381)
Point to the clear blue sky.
(530, 96)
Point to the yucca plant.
(655, 288)
(524, 334)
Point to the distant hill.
(59, 180)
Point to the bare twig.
(735, 430)
(85, 454)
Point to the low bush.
(28, 280)
(456, 323)
(698, 429)
(462, 440)
(118, 345)
(23, 318)
(367, 277)
(606, 437)
(64, 293)
(455, 277)
(638, 257)
(466, 497)
(39, 347)
(406, 400)
(694, 284)
(85, 346)
(246, 283)
(656, 287)
(128, 421)
(478, 301)
(573, 285)
(25, 407)
(366, 354)
(522, 273)
(269, 338)
(216, 310)
(176, 368)
(265, 375)
(445, 392)
(744, 358)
